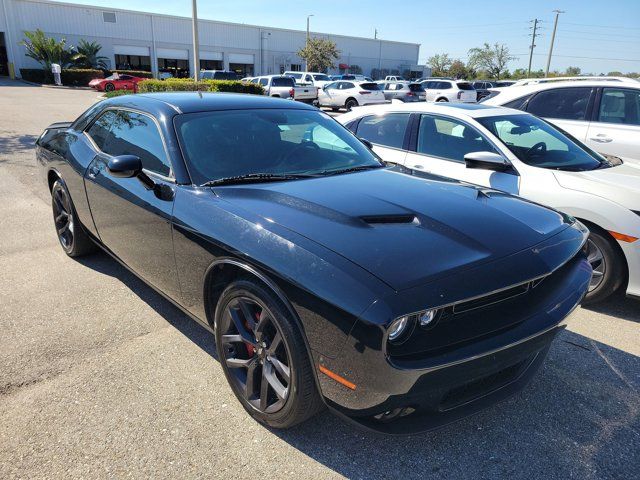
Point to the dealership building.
(156, 43)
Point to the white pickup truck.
(304, 79)
(285, 87)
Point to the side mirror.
(366, 142)
(125, 166)
(486, 161)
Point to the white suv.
(450, 91)
(349, 94)
(604, 114)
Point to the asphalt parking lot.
(100, 377)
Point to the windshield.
(282, 82)
(370, 86)
(297, 76)
(537, 143)
(234, 143)
(322, 77)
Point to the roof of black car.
(189, 102)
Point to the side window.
(263, 82)
(518, 103)
(449, 138)
(620, 106)
(563, 103)
(431, 85)
(120, 132)
(346, 85)
(387, 130)
(444, 85)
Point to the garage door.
(131, 50)
(173, 53)
(205, 55)
(241, 58)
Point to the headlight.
(426, 317)
(398, 327)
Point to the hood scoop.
(393, 219)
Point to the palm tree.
(87, 56)
(47, 50)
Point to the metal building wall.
(270, 47)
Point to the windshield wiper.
(256, 178)
(350, 169)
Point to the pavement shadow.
(103, 263)
(579, 417)
(619, 305)
(16, 143)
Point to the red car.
(115, 82)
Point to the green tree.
(492, 59)
(458, 70)
(615, 73)
(572, 71)
(319, 54)
(439, 64)
(47, 50)
(87, 56)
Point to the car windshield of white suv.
(238, 146)
(321, 78)
(537, 143)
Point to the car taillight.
(364, 92)
(292, 93)
(411, 94)
(459, 94)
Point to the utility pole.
(533, 45)
(553, 37)
(375, 34)
(196, 42)
(306, 67)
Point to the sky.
(596, 35)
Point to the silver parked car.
(404, 91)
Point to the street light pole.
(196, 43)
(553, 37)
(307, 43)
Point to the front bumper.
(632, 255)
(433, 388)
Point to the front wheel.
(352, 102)
(264, 356)
(608, 266)
(442, 100)
(74, 240)
(109, 87)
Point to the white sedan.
(348, 94)
(516, 152)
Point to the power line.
(477, 25)
(602, 33)
(596, 58)
(602, 26)
(571, 37)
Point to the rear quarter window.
(387, 130)
(465, 86)
(369, 86)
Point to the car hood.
(620, 184)
(405, 230)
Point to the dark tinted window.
(120, 132)
(518, 103)
(465, 86)
(444, 85)
(620, 106)
(263, 82)
(369, 86)
(387, 130)
(206, 75)
(282, 82)
(346, 85)
(416, 87)
(431, 85)
(566, 103)
(348, 77)
(449, 138)
(225, 76)
(238, 142)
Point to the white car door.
(442, 143)
(616, 130)
(387, 134)
(565, 107)
(326, 95)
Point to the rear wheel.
(350, 103)
(71, 235)
(442, 100)
(109, 87)
(607, 264)
(264, 357)
(335, 109)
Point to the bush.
(36, 75)
(118, 93)
(135, 73)
(79, 76)
(189, 85)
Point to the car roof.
(190, 102)
(516, 91)
(461, 110)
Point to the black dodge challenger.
(402, 302)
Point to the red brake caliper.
(250, 348)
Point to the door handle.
(601, 139)
(419, 167)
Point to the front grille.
(493, 298)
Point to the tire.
(71, 234)
(442, 100)
(109, 87)
(350, 103)
(608, 265)
(249, 319)
(335, 109)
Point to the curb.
(63, 87)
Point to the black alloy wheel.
(350, 104)
(607, 261)
(109, 87)
(71, 235)
(264, 356)
(253, 349)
